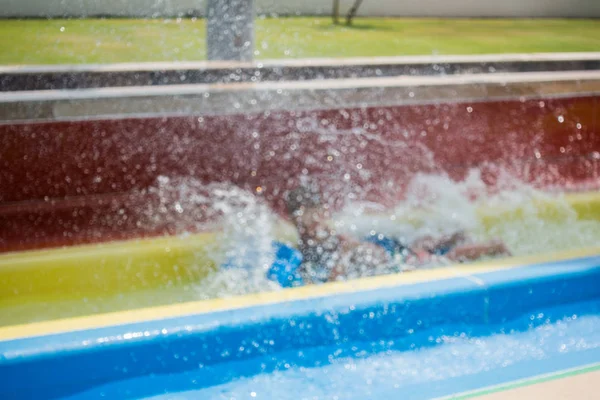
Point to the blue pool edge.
(66, 363)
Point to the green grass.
(130, 40)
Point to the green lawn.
(126, 40)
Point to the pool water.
(430, 364)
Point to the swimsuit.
(314, 263)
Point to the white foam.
(390, 374)
(433, 205)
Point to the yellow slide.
(90, 279)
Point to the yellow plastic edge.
(170, 261)
(107, 268)
(118, 267)
(306, 292)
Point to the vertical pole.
(335, 13)
(230, 30)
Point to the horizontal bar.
(52, 77)
(236, 98)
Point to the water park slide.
(89, 279)
(463, 332)
(61, 309)
(92, 177)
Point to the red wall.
(97, 165)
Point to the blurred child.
(329, 256)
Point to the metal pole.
(335, 14)
(230, 30)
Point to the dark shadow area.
(355, 27)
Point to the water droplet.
(561, 119)
(178, 208)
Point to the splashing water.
(433, 205)
(528, 220)
(388, 375)
(244, 224)
(385, 369)
(247, 236)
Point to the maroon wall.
(82, 181)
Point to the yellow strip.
(586, 206)
(107, 268)
(50, 276)
(329, 289)
(78, 272)
(92, 270)
(196, 307)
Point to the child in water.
(329, 256)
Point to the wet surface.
(452, 362)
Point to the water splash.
(530, 221)
(408, 374)
(243, 222)
(433, 204)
